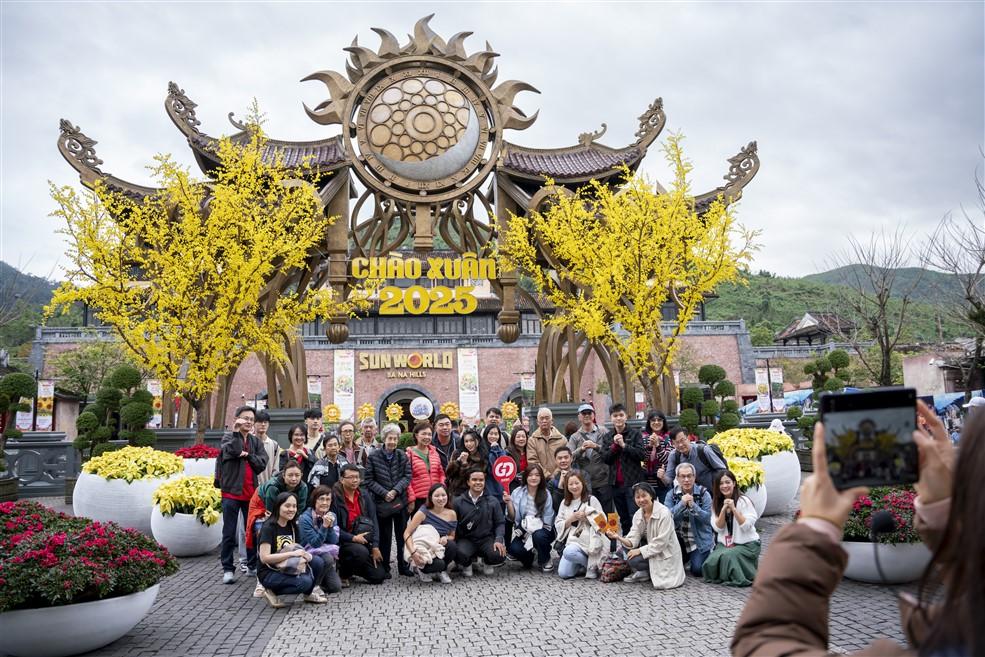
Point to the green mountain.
(775, 302)
(930, 286)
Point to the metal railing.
(804, 350)
(41, 461)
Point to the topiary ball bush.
(724, 389)
(87, 421)
(141, 396)
(124, 377)
(109, 398)
(143, 438)
(730, 406)
(711, 374)
(691, 397)
(689, 420)
(102, 448)
(136, 414)
(710, 408)
(834, 385)
(839, 359)
(794, 412)
(728, 421)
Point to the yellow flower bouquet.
(752, 443)
(747, 473)
(135, 463)
(192, 495)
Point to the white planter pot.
(757, 495)
(72, 629)
(200, 467)
(782, 481)
(183, 535)
(116, 500)
(900, 563)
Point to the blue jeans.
(697, 559)
(232, 510)
(573, 562)
(623, 497)
(282, 584)
(543, 539)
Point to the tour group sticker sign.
(439, 299)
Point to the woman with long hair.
(576, 529)
(529, 508)
(657, 447)
(787, 608)
(441, 521)
(734, 560)
(297, 451)
(517, 449)
(492, 440)
(286, 568)
(425, 467)
(471, 455)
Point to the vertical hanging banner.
(24, 420)
(157, 404)
(762, 390)
(468, 383)
(776, 382)
(344, 382)
(46, 405)
(314, 392)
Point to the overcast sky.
(866, 114)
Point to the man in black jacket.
(241, 458)
(622, 451)
(359, 534)
(387, 476)
(480, 526)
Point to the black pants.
(389, 526)
(440, 565)
(282, 584)
(471, 547)
(355, 559)
(329, 580)
(231, 509)
(625, 506)
(604, 495)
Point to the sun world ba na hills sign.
(417, 299)
(406, 366)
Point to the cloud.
(865, 114)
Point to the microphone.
(883, 522)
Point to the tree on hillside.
(957, 247)
(179, 274)
(870, 270)
(615, 256)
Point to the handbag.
(363, 525)
(613, 568)
(294, 565)
(386, 509)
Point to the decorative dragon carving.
(183, 107)
(586, 138)
(78, 146)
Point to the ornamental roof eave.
(79, 150)
(743, 167)
(321, 155)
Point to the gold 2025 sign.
(417, 299)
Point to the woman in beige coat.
(655, 552)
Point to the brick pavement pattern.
(511, 613)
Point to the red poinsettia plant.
(49, 559)
(898, 501)
(198, 452)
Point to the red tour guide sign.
(503, 470)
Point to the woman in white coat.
(584, 545)
(655, 553)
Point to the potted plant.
(199, 460)
(13, 388)
(71, 585)
(750, 477)
(902, 554)
(187, 515)
(117, 486)
(775, 451)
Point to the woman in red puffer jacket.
(425, 467)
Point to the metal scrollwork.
(79, 146)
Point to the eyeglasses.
(351, 477)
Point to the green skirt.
(734, 566)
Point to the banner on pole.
(468, 383)
(46, 405)
(157, 404)
(24, 420)
(344, 387)
(776, 381)
(314, 392)
(762, 390)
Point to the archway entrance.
(402, 396)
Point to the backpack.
(704, 457)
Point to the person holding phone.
(787, 609)
(472, 455)
(734, 560)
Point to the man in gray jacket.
(587, 453)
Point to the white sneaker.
(444, 578)
(228, 577)
(318, 591)
(639, 576)
(592, 573)
(467, 571)
(258, 591)
(425, 577)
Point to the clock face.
(422, 130)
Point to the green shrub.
(136, 415)
(839, 359)
(691, 397)
(689, 419)
(109, 398)
(728, 421)
(143, 438)
(707, 433)
(141, 396)
(406, 440)
(124, 377)
(711, 374)
(102, 448)
(794, 412)
(730, 406)
(834, 385)
(710, 408)
(724, 388)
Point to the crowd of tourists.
(610, 504)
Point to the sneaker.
(258, 591)
(488, 571)
(228, 577)
(425, 577)
(451, 567)
(243, 568)
(639, 576)
(592, 573)
(318, 591)
(510, 557)
(272, 599)
(346, 583)
(444, 578)
(315, 598)
(467, 571)
(548, 567)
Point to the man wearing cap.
(974, 406)
(587, 456)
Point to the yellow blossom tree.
(180, 274)
(609, 259)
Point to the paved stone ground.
(511, 613)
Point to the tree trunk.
(201, 419)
